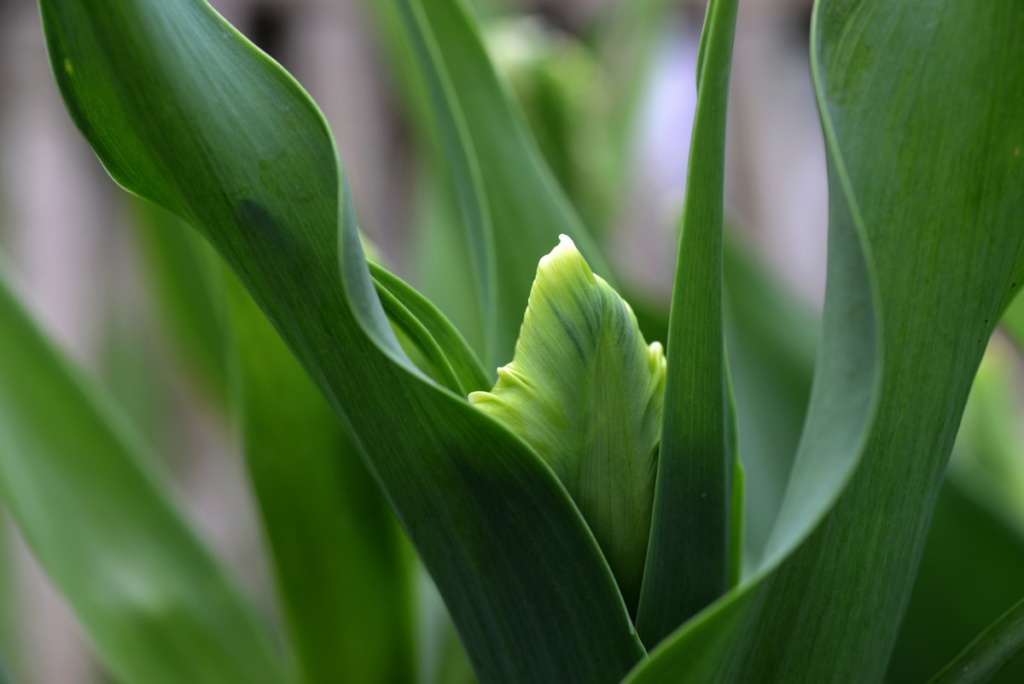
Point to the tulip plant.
(583, 510)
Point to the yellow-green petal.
(585, 391)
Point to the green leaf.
(688, 558)
(970, 571)
(155, 604)
(985, 656)
(342, 580)
(184, 111)
(585, 391)
(509, 202)
(974, 556)
(925, 251)
(772, 340)
(438, 338)
(1013, 320)
(181, 274)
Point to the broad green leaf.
(688, 558)
(585, 391)
(511, 207)
(182, 110)
(155, 604)
(925, 251)
(985, 656)
(342, 581)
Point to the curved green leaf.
(154, 602)
(973, 559)
(585, 391)
(510, 204)
(925, 251)
(688, 557)
(425, 321)
(970, 571)
(772, 341)
(343, 583)
(184, 111)
(985, 656)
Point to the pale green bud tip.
(585, 391)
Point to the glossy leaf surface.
(254, 167)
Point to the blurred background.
(70, 236)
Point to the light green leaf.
(184, 111)
(1013, 320)
(925, 252)
(688, 558)
(155, 604)
(772, 340)
(183, 277)
(585, 391)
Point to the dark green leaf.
(342, 580)
(974, 556)
(688, 557)
(970, 571)
(925, 252)
(985, 656)
(421, 320)
(185, 112)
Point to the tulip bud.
(585, 391)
